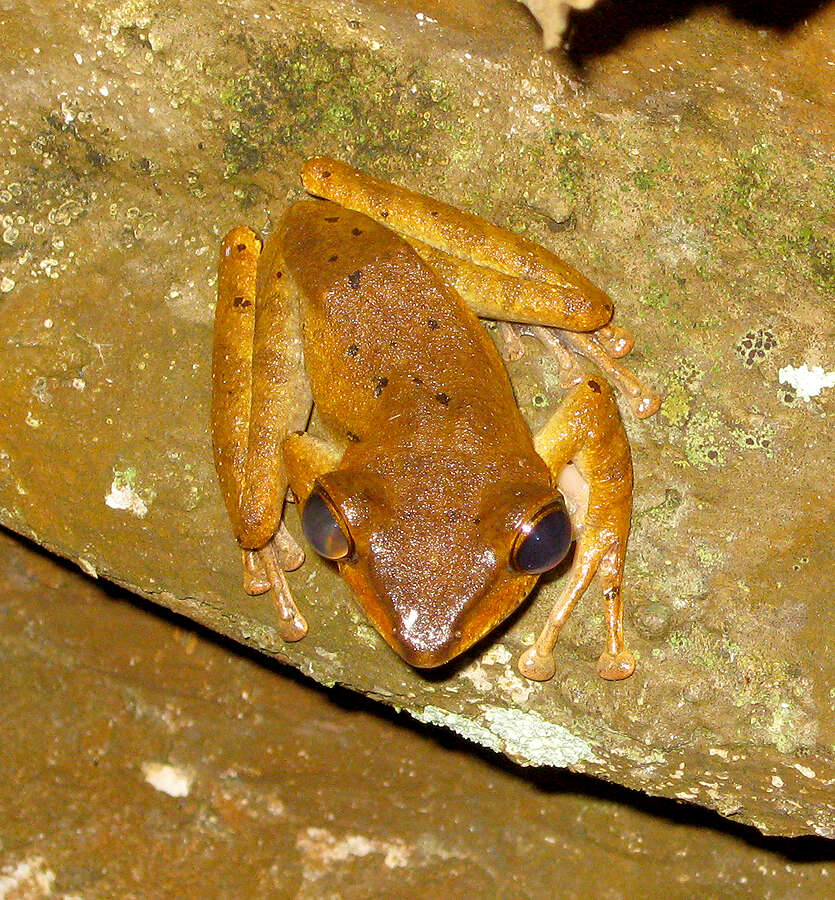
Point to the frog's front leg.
(587, 431)
(259, 395)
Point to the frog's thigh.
(281, 397)
(257, 389)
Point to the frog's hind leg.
(501, 275)
(256, 400)
(477, 258)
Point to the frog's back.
(386, 341)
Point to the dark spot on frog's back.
(356, 232)
(333, 258)
(331, 218)
(594, 386)
(241, 302)
(379, 384)
(432, 323)
(354, 278)
(442, 398)
(353, 350)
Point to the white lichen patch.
(123, 494)
(498, 654)
(467, 728)
(514, 687)
(529, 737)
(476, 673)
(172, 780)
(524, 736)
(808, 382)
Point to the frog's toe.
(616, 341)
(255, 577)
(292, 627)
(289, 554)
(617, 666)
(510, 342)
(645, 404)
(536, 665)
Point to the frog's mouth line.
(432, 637)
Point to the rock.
(694, 162)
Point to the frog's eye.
(324, 528)
(543, 541)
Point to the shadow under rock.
(609, 23)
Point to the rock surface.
(687, 170)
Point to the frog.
(422, 484)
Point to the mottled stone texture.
(685, 167)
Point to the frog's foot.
(616, 662)
(571, 372)
(264, 571)
(615, 666)
(288, 549)
(289, 556)
(603, 347)
(537, 665)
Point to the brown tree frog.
(429, 492)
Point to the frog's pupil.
(321, 528)
(546, 544)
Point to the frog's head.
(438, 552)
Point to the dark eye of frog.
(324, 528)
(543, 540)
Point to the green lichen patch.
(709, 557)
(757, 209)
(571, 149)
(813, 246)
(704, 441)
(665, 511)
(315, 98)
(676, 405)
(655, 297)
(760, 437)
